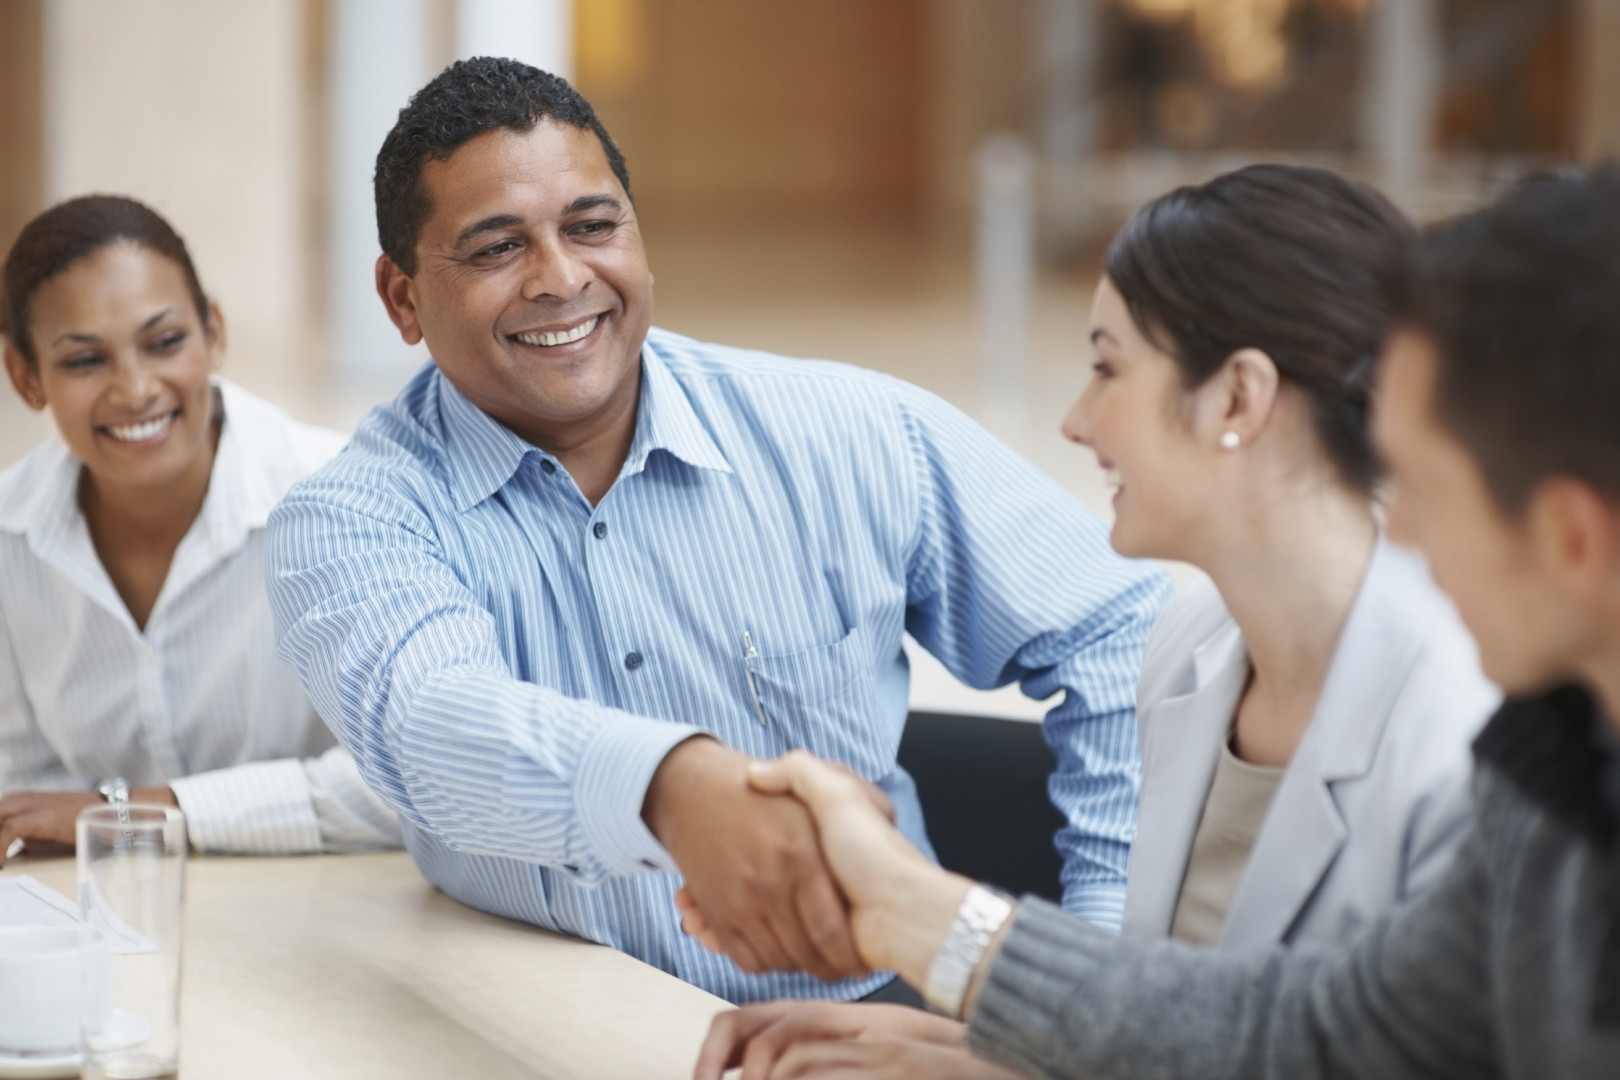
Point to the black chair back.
(982, 785)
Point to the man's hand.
(901, 905)
(754, 1037)
(45, 820)
(751, 863)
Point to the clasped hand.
(880, 877)
(753, 865)
(899, 907)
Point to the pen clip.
(750, 654)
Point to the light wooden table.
(340, 966)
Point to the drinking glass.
(132, 868)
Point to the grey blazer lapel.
(1187, 732)
(1304, 830)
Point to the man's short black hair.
(1522, 301)
(462, 102)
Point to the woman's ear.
(215, 332)
(23, 378)
(1237, 401)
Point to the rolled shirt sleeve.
(403, 661)
(1011, 579)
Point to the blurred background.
(919, 186)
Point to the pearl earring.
(1230, 440)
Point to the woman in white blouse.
(137, 656)
(1306, 708)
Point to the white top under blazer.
(198, 699)
(1376, 796)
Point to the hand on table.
(751, 863)
(45, 820)
(755, 1037)
(883, 1059)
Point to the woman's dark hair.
(73, 230)
(1301, 263)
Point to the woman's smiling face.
(123, 360)
(1136, 417)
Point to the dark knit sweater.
(1509, 967)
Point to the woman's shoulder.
(1195, 615)
(31, 489)
(1444, 690)
(280, 449)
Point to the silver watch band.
(115, 793)
(980, 916)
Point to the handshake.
(796, 864)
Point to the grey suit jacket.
(1376, 795)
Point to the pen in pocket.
(750, 654)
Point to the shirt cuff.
(610, 786)
(262, 808)
(1103, 906)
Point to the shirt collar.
(241, 494)
(485, 454)
(1555, 750)
(240, 497)
(665, 420)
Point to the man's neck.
(594, 449)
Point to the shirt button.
(599, 529)
(548, 465)
(632, 660)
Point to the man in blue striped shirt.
(558, 593)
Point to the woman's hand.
(755, 1037)
(41, 818)
(882, 1059)
(45, 820)
(901, 905)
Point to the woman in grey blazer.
(1307, 705)
(1374, 798)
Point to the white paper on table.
(25, 902)
(121, 937)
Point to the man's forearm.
(1409, 998)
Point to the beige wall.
(22, 119)
(1599, 37)
(735, 106)
(196, 107)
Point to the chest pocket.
(824, 700)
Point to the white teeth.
(561, 337)
(1112, 478)
(142, 432)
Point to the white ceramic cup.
(51, 980)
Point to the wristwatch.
(115, 793)
(980, 916)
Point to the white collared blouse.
(198, 699)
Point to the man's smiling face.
(532, 288)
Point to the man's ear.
(1239, 397)
(214, 330)
(24, 381)
(1576, 533)
(398, 294)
